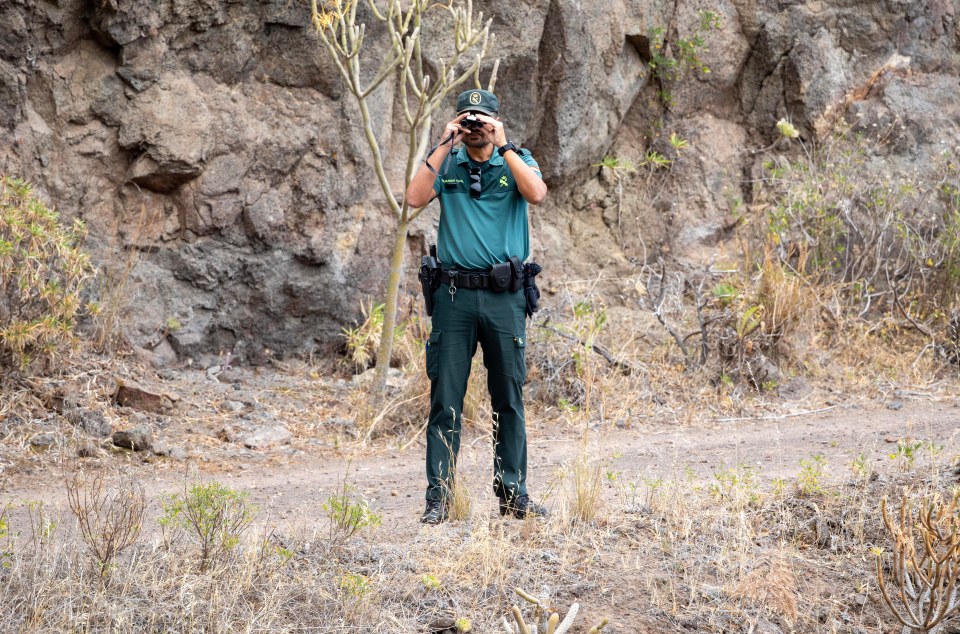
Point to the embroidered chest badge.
(504, 182)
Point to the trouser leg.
(502, 335)
(452, 344)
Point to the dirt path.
(292, 488)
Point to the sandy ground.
(291, 483)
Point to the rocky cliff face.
(211, 145)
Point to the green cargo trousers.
(498, 322)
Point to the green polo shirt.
(476, 233)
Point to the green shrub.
(42, 274)
(213, 514)
(348, 516)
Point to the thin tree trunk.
(385, 351)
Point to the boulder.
(255, 436)
(218, 141)
(136, 439)
(130, 394)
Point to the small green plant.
(737, 487)
(348, 516)
(677, 142)
(616, 164)
(43, 272)
(884, 240)
(906, 453)
(787, 130)
(672, 60)
(812, 471)
(42, 526)
(215, 515)
(362, 341)
(861, 467)
(355, 585)
(6, 539)
(725, 293)
(430, 582)
(654, 160)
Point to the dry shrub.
(772, 587)
(888, 243)
(585, 495)
(458, 498)
(110, 521)
(786, 300)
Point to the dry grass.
(662, 551)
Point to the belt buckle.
(475, 280)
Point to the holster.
(519, 273)
(429, 277)
(530, 289)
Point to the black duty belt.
(466, 279)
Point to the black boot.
(435, 513)
(522, 506)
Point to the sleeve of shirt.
(437, 185)
(532, 162)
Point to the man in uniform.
(484, 191)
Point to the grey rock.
(11, 96)
(395, 378)
(45, 440)
(550, 557)
(90, 421)
(794, 389)
(266, 437)
(767, 627)
(255, 436)
(168, 374)
(762, 370)
(232, 406)
(164, 449)
(135, 439)
(895, 405)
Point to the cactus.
(926, 562)
(552, 625)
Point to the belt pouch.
(500, 277)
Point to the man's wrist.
(506, 147)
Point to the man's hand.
(494, 130)
(454, 130)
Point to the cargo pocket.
(520, 357)
(433, 355)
